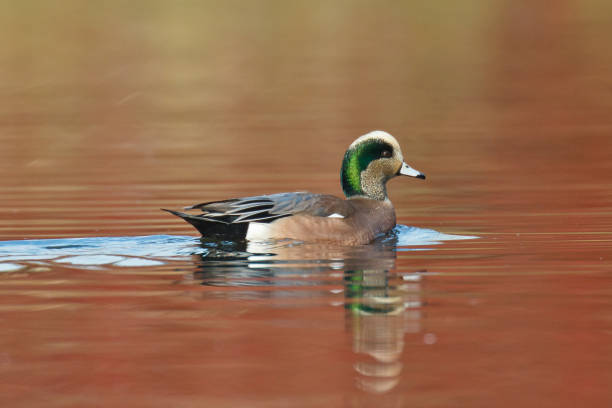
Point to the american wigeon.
(369, 162)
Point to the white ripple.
(10, 267)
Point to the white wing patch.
(335, 215)
(258, 231)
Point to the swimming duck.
(369, 162)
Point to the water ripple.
(158, 249)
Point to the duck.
(364, 214)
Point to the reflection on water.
(117, 251)
(157, 249)
(379, 304)
(379, 313)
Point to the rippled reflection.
(361, 284)
(380, 304)
(381, 308)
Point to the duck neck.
(361, 183)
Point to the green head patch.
(356, 160)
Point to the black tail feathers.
(214, 229)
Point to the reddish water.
(109, 112)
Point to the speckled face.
(368, 163)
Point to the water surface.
(108, 113)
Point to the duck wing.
(267, 208)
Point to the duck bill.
(406, 170)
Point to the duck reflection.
(381, 306)
(380, 310)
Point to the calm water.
(110, 112)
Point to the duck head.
(369, 162)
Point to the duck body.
(365, 214)
(301, 215)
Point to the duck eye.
(386, 153)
